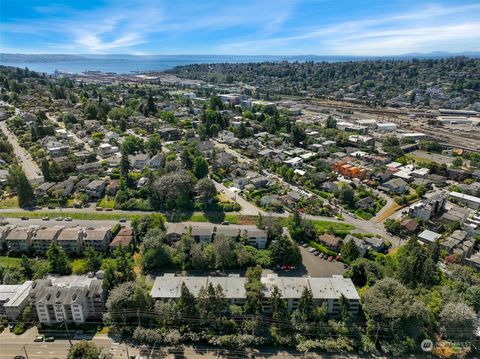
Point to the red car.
(330, 259)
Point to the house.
(70, 239)
(98, 238)
(89, 168)
(458, 243)
(169, 133)
(157, 161)
(428, 236)
(112, 188)
(295, 162)
(259, 182)
(366, 244)
(240, 182)
(42, 190)
(396, 185)
(365, 203)
(58, 151)
(409, 225)
(65, 188)
(206, 148)
(81, 185)
(69, 299)
(4, 231)
(330, 241)
(201, 232)
(44, 237)
(139, 161)
(123, 238)
(95, 189)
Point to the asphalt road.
(32, 171)
(51, 223)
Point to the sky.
(246, 27)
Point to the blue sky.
(246, 27)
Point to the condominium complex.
(325, 291)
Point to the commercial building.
(428, 208)
(469, 201)
(325, 291)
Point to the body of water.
(124, 64)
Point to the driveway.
(248, 209)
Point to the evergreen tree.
(57, 260)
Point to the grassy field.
(107, 202)
(9, 202)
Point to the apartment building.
(19, 239)
(69, 298)
(43, 238)
(325, 291)
(98, 238)
(70, 239)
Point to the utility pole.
(25, 350)
(128, 354)
(68, 333)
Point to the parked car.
(45, 219)
(317, 253)
(330, 259)
(122, 220)
(58, 219)
(18, 357)
(321, 255)
(311, 250)
(24, 218)
(345, 265)
(225, 223)
(50, 339)
(305, 245)
(38, 338)
(68, 219)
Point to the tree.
(57, 260)
(26, 267)
(458, 320)
(253, 289)
(124, 165)
(154, 144)
(19, 184)
(393, 314)
(331, 122)
(123, 298)
(298, 134)
(132, 144)
(457, 162)
(93, 258)
(285, 251)
(224, 251)
(393, 226)
(346, 195)
(173, 189)
(350, 251)
(200, 167)
(278, 304)
(206, 190)
(84, 350)
(186, 303)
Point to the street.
(32, 171)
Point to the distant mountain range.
(39, 58)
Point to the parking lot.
(317, 267)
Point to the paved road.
(32, 171)
(51, 223)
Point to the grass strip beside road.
(73, 215)
(337, 227)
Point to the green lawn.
(107, 202)
(323, 226)
(9, 261)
